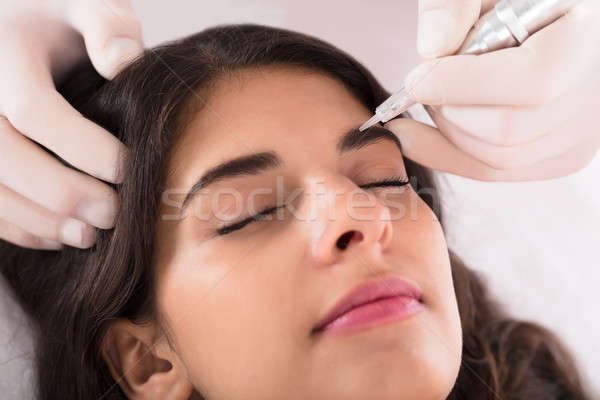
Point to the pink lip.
(371, 304)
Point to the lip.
(372, 303)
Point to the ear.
(142, 362)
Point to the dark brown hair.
(73, 295)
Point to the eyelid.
(371, 162)
(397, 180)
(242, 223)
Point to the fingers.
(45, 181)
(428, 147)
(43, 202)
(18, 236)
(443, 26)
(487, 5)
(38, 221)
(112, 33)
(49, 119)
(537, 72)
(562, 137)
(565, 164)
(505, 125)
(510, 126)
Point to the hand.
(523, 113)
(44, 204)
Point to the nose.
(352, 225)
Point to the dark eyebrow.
(253, 164)
(244, 165)
(355, 139)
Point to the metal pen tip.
(372, 121)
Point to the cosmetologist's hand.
(44, 204)
(523, 113)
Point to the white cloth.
(16, 349)
(536, 244)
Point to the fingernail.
(120, 51)
(98, 212)
(434, 28)
(77, 234)
(45, 244)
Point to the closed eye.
(255, 217)
(396, 181)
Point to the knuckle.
(23, 238)
(22, 109)
(18, 236)
(63, 202)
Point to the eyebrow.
(354, 139)
(253, 164)
(245, 165)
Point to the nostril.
(344, 240)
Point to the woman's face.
(240, 301)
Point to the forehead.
(268, 108)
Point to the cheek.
(419, 245)
(421, 252)
(231, 320)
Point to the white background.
(537, 243)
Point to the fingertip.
(45, 244)
(100, 212)
(111, 161)
(416, 81)
(393, 124)
(118, 53)
(76, 233)
(402, 129)
(119, 171)
(111, 31)
(435, 27)
(443, 26)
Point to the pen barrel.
(510, 22)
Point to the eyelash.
(395, 182)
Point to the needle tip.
(372, 121)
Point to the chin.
(392, 373)
(400, 360)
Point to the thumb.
(443, 25)
(111, 31)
